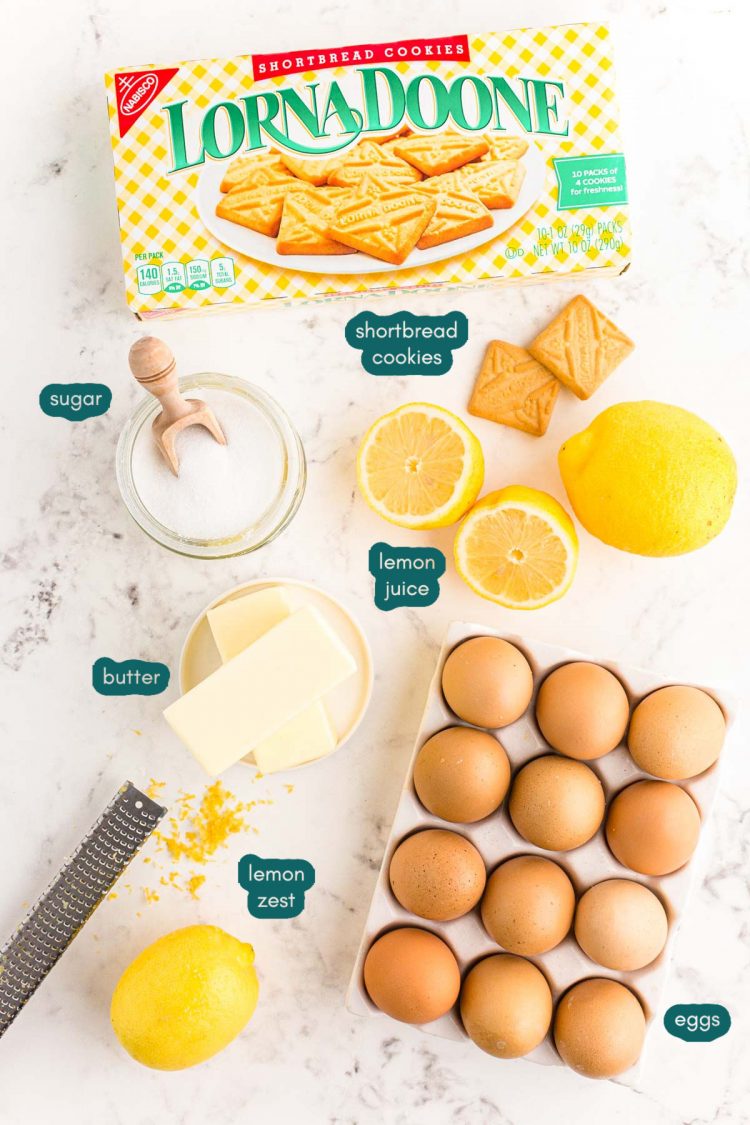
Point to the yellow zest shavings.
(197, 829)
(193, 885)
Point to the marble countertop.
(81, 581)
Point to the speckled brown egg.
(461, 774)
(599, 1028)
(506, 1006)
(582, 710)
(556, 803)
(437, 874)
(528, 905)
(653, 827)
(621, 925)
(487, 682)
(412, 975)
(676, 732)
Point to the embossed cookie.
(581, 347)
(514, 389)
(436, 155)
(258, 208)
(265, 167)
(496, 182)
(386, 226)
(501, 147)
(368, 157)
(314, 170)
(304, 222)
(457, 214)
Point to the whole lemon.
(650, 478)
(185, 997)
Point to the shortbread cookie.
(258, 208)
(514, 389)
(304, 222)
(386, 226)
(436, 155)
(314, 170)
(458, 213)
(367, 157)
(496, 182)
(502, 147)
(581, 347)
(386, 138)
(260, 169)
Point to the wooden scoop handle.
(153, 365)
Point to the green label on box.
(591, 181)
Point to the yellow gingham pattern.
(157, 212)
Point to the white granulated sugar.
(221, 489)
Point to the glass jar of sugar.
(228, 499)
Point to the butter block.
(238, 623)
(304, 738)
(249, 698)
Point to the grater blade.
(72, 897)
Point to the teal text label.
(405, 344)
(697, 1023)
(75, 401)
(275, 887)
(405, 576)
(591, 181)
(129, 677)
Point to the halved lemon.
(420, 466)
(517, 547)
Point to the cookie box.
(313, 173)
(497, 840)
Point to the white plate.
(346, 704)
(263, 248)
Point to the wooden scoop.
(153, 365)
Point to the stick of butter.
(235, 625)
(252, 696)
(304, 738)
(238, 623)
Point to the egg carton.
(497, 840)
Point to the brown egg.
(506, 1006)
(487, 682)
(556, 803)
(599, 1028)
(528, 905)
(582, 710)
(653, 827)
(412, 975)
(437, 874)
(461, 774)
(676, 733)
(621, 925)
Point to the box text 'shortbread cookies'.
(514, 389)
(512, 139)
(581, 346)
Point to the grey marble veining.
(80, 580)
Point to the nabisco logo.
(135, 91)
(144, 92)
